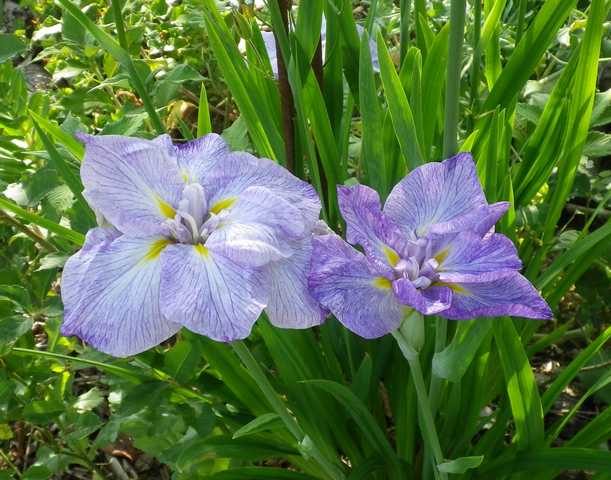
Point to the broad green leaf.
(10, 46)
(460, 465)
(267, 421)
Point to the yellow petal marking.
(382, 282)
(391, 255)
(202, 250)
(156, 248)
(441, 256)
(454, 286)
(223, 204)
(165, 208)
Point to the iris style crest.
(194, 236)
(432, 248)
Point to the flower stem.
(256, 372)
(429, 431)
(457, 27)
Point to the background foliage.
(528, 94)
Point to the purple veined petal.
(197, 157)
(256, 229)
(240, 170)
(290, 303)
(436, 196)
(351, 287)
(465, 256)
(118, 312)
(428, 301)
(511, 294)
(210, 294)
(134, 183)
(74, 274)
(480, 220)
(367, 226)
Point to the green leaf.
(563, 458)
(598, 144)
(10, 46)
(452, 362)
(521, 386)
(569, 373)
(264, 473)
(360, 414)
(11, 329)
(400, 111)
(267, 421)
(203, 114)
(182, 360)
(460, 465)
(372, 153)
(72, 144)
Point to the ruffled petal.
(75, 270)
(290, 303)
(118, 310)
(346, 283)
(255, 230)
(209, 293)
(428, 301)
(239, 171)
(435, 196)
(465, 256)
(367, 226)
(511, 294)
(197, 157)
(134, 183)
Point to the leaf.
(360, 414)
(203, 113)
(598, 144)
(521, 386)
(263, 473)
(400, 111)
(88, 400)
(267, 421)
(460, 465)
(182, 360)
(10, 46)
(11, 329)
(452, 362)
(563, 458)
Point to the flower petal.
(134, 183)
(367, 226)
(465, 256)
(434, 197)
(197, 157)
(118, 311)
(239, 171)
(345, 282)
(255, 230)
(75, 270)
(428, 301)
(210, 294)
(511, 294)
(290, 303)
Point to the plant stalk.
(256, 372)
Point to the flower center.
(417, 265)
(193, 222)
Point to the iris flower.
(431, 249)
(195, 236)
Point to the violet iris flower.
(198, 236)
(431, 249)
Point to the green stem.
(476, 63)
(457, 27)
(116, 12)
(429, 431)
(405, 8)
(256, 372)
(521, 19)
(441, 333)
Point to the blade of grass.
(72, 144)
(203, 113)
(63, 232)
